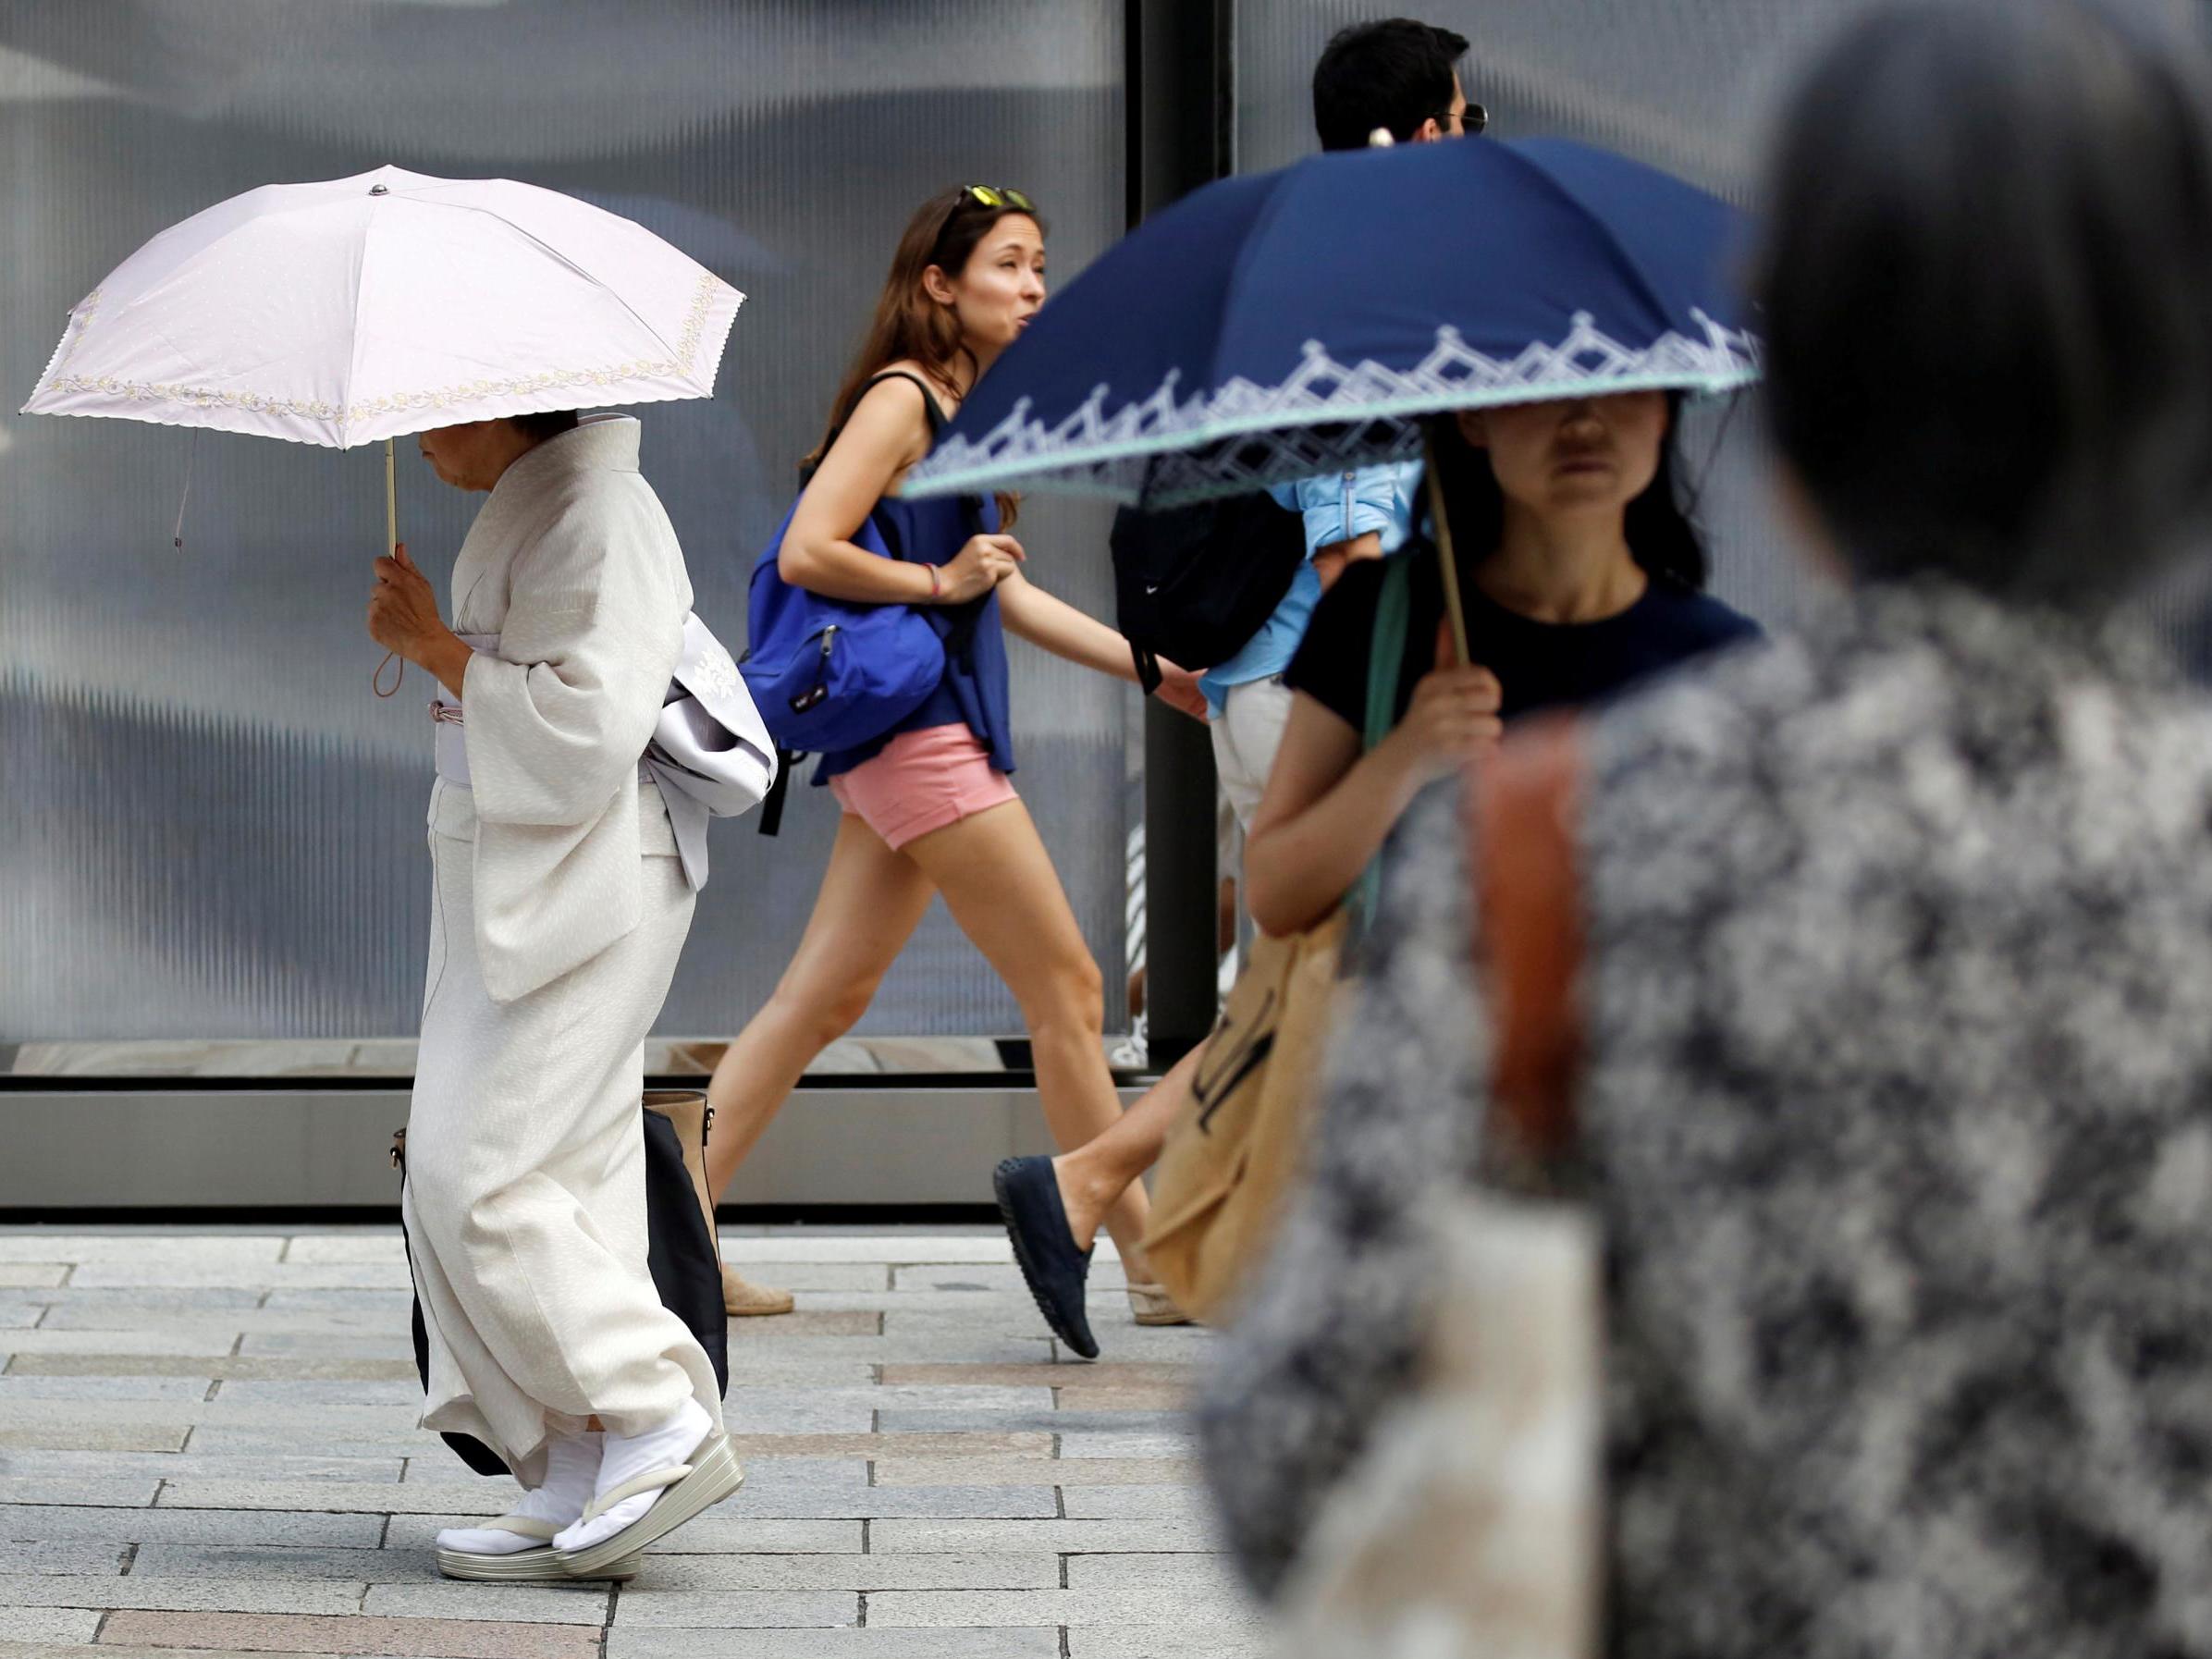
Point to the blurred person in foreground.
(1895, 1093)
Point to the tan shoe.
(743, 1299)
(1150, 1305)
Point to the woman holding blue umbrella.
(1578, 577)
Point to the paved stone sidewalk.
(207, 1446)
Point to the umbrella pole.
(1452, 605)
(391, 504)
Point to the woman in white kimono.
(559, 908)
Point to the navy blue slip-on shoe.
(1037, 1222)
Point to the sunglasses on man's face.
(987, 195)
(1472, 119)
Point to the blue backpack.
(830, 674)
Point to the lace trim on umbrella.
(465, 392)
(1323, 417)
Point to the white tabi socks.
(571, 1476)
(663, 1447)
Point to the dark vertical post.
(1181, 109)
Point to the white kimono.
(559, 910)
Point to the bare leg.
(1097, 1172)
(999, 885)
(870, 902)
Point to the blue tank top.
(973, 691)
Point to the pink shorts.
(922, 780)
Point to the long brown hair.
(944, 232)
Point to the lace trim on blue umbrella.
(1160, 450)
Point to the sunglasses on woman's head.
(986, 195)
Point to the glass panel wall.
(209, 828)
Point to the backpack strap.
(1523, 805)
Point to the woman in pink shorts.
(929, 808)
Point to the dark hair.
(1660, 534)
(537, 428)
(944, 232)
(1988, 346)
(1396, 74)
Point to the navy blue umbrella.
(1294, 323)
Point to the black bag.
(685, 1260)
(1194, 583)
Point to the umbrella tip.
(1380, 139)
(380, 190)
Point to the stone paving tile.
(1187, 1641)
(401, 1392)
(248, 1255)
(337, 1497)
(1116, 1503)
(637, 1641)
(193, 1343)
(1065, 1607)
(216, 1322)
(224, 1367)
(1027, 1443)
(875, 1503)
(162, 1269)
(705, 1537)
(268, 1449)
(39, 1523)
(1165, 1396)
(737, 1610)
(664, 1574)
(17, 1650)
(42, 1625)
(93, 1558)
(95, 1437)
(1103, 1373)
(324, 1344)
(118, 1494)
(1182, 1575)
(194, 1595)
(383, 1245)
(32, 1274)
(14, 1389)
(206, 1298)
(1173, 1536)
(194, 1463)
(1023, 1471)
(402, 1638)
(1170, 1438)
(515, 1603)
(273, 1562)
(1044, 1420)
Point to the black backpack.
(1194, 583)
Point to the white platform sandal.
(685, 1489)
(541, 1566)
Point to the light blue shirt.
(1339, 506)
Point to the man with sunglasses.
(1397, 78)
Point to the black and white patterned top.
(1898, 1116)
